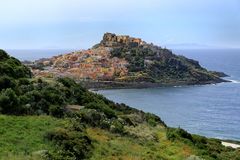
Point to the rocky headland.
(120, 61)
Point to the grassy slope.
(151, 143)
(109, 146)
(21, 136)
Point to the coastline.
(108, 85)
(105, 85)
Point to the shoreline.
(104, 85)
(107, 85)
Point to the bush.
(184, 134)
(105, 124)
(67, 82)
(56, 111)
(91, 117)
(173, 133)
(153, 120)
(150, 118)
(9, 102)
(23, 81)
(117, 127)
(72, 145)
(200, 141)
(53, 95)
(102, 108)
(6, 82)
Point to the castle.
(113, 40)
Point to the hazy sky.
(76, 24)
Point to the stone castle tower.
(113, 40)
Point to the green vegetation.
(12, 67)
(209, 148)
(151, 63)
(71, 143)
(61, 120)
(23, 136)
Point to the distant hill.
(125, 59)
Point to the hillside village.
(91, 64)
(94, 64)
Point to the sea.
(35, 54)
(210, 110)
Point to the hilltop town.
(94, 64)
(91, 64)
(121, 58)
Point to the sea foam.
(234, 81)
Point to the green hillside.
(152, 63)
(58, 119)
(22, 137)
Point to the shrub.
(6, 82)
(91, 117)
(117, 127)
(184, 134)
(102, 108)
(56, 111)
(178, 133)
(105, 124)
(53, 95)
(23, 81)
(43, 105)
(153, 120)
(70, 144)
(171, 134)
(9, 102)
(200, 141)
(77, 126)
(67, 82)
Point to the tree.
(9, 102)
(56, 111)
(67, 82)
(6, 82)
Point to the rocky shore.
(101, 85)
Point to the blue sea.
(33, 54)
(209, 110)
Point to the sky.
(78, 24)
